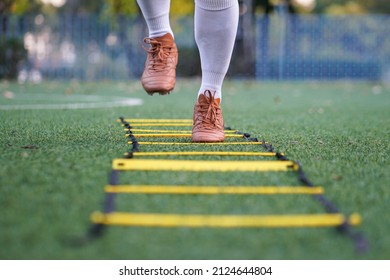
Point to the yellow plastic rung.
(172, 135)
(158, 121)
(212, 190)
(195, 143)
(170, 131)
(201, 166)
(226, 221)
(161, 124)
(262, 154)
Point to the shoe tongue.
(208, 99)
(165, 38)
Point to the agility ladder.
(154, 132)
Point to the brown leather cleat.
(160, 67)
(208, 121)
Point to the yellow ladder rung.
(262, 154)
(226, 221)
(172, 131)
(138, 135)
(201, 166)
(158, 120)
(196, 143)
(161, 124)
(212, 190)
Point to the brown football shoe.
(208, 121)
(160, 67)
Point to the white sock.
(216, 24)
(156, 14)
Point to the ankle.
(209, 92)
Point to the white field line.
(119, 102)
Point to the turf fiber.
(54, 165)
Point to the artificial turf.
(55, 163)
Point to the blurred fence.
(277, 47)
(323, 47)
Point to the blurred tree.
(6, 6)
(352, 6)
(12, 53)
(84, 6)
(130, 7)
(120, 7)
(325, 6)
(186, 7)
(182, 7)
(19, 6)
(268, 6)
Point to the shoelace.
(210, 108)
(159, 53)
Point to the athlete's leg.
(160, 67)
(216, 24)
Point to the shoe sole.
(151, 93)
(160, 92)
(214, 141)
(203, 139)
